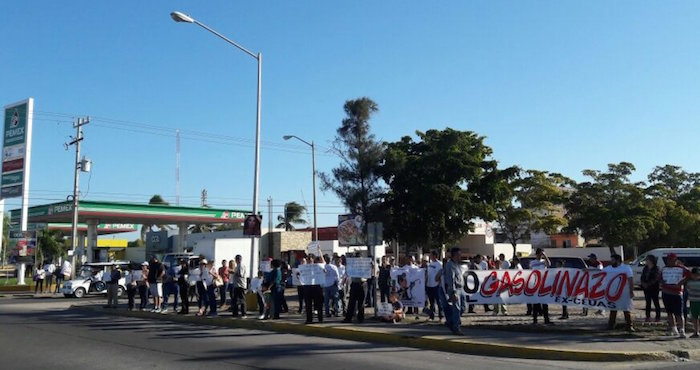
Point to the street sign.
(16, 152)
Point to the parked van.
(690, 257)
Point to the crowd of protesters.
(225, 287)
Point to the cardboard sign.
(265, 266)
(384, 309)
(409, 285)
(672, 275)
(295, 277)
(358, 267)
(311, 274)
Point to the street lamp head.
(181, 17)
(287, 137)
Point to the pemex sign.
(16, 152)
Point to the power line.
(142, 127)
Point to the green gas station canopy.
(129, 213)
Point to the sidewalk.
(577, 339)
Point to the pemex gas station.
(103, 217)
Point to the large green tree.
(293, 213)
(675, 195)
(436, 186)
(356, 181)
(530, 201)
(611, 208)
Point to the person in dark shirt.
(113, 287)
(156, 272)
(184, 284)
(651, 284)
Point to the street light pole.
(313, 169)
(181, 17)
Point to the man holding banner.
(617, 267)
(454, 289)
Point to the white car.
(91, 279)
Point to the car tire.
(79, 293)
(100, 286)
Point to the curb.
(435, 343)
(14, 288)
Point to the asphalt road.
(45, 333)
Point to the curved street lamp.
(313, 168)
(185, 18)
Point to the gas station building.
(103, 217)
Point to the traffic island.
(430, 337)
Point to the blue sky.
(553, 85)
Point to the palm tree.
(155, 199)
(292, 215)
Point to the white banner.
(564, 286)
(358, 267)
(409, 285)
(311, 274)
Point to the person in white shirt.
(479, 263)
(342, 284)
(50, 269)
(432, 285)
(330, 289)
(39, 276)
(130, 282)
(501, 264)
(541, 262)
(256, 287)
(239, 286)
(505, 265)
(617, 267)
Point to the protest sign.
(358, 267)
(295, 277)
(311, 274)
(565, 286)
(409, 285)
(672, 275)
(384, 309)
(265, 266)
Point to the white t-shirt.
(332, 275)
(622, 269)
(434, 269)
(505, 265)
(66, 269)
(50, 268)
(255, 284)
(538, 264)
(483, 265)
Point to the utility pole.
(269, 227)
(204, 196)
(177, 167)
(76, 183)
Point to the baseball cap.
(671, 255)
(593, 255)
(145, 263)
(203, 262)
